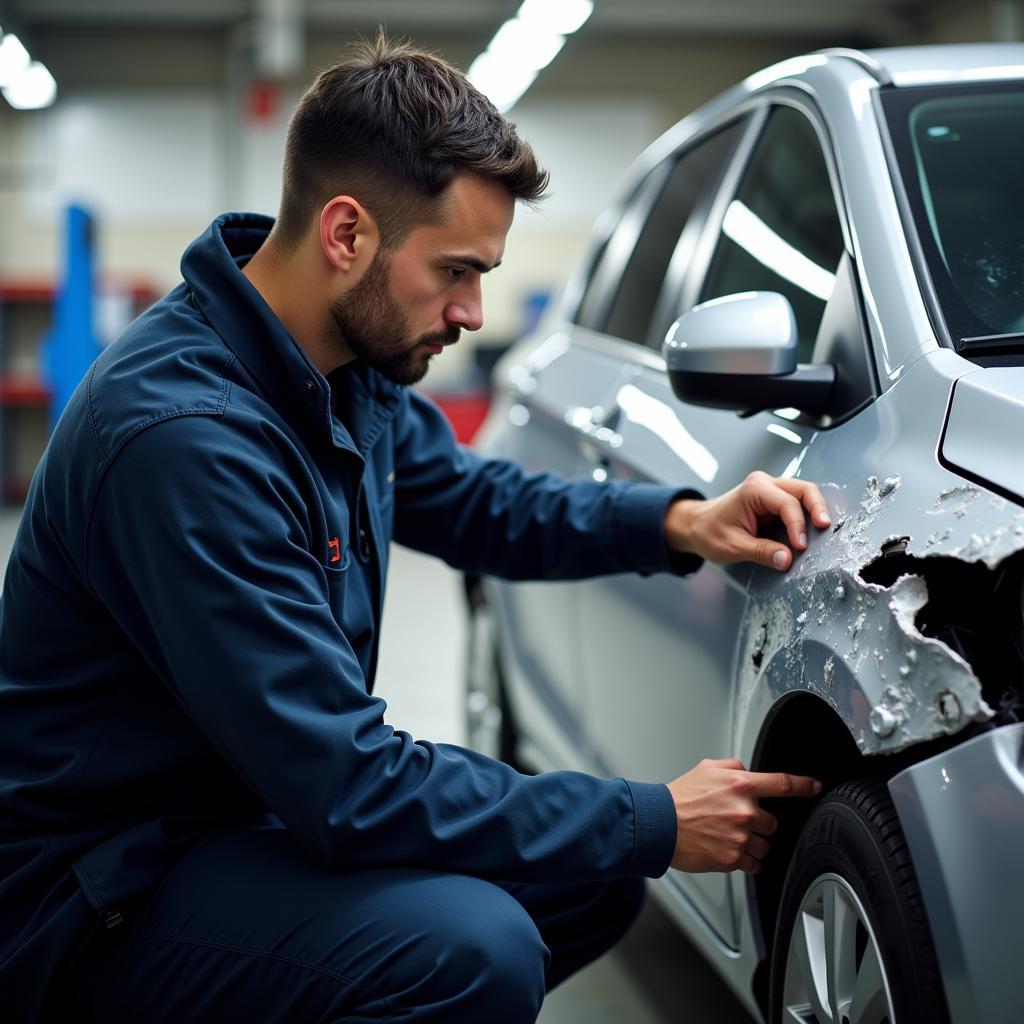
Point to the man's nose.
(468, 311)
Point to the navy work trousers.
(248, 927)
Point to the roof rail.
(869, 64)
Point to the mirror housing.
(739, 352)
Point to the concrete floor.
(654, 976)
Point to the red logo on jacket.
(334, 546)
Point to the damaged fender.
(826, 629)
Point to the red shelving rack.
(26, 314)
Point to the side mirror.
(739, 352)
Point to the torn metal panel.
(826, 630)
(861, 653)
(961, 521)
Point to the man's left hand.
(725, 529)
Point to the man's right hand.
(720, 825)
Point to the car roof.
(890, 66)
(932, 65)
(894, 66)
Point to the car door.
(553, 394)
(560, 392)
(659, 654)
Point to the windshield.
(961, 153)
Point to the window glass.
(960, 152)
(637, 293)
(617, 249)
(591, 305)
(781, 233)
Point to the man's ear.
(348, 234)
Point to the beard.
(373, 326)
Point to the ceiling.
(882, 19)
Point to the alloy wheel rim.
(834, 968)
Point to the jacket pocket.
(131, 863)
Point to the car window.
(616, 250)
(781, 232)
(626, 272)
(689, 178)
(960, 151)
(591, 305)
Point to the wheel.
(489, 726)
(852, 944)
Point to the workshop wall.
(151, 132)
(150, 146)
(956, 21)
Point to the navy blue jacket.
(189, 625)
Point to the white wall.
(152, 166)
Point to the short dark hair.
(392, 125)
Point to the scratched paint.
(824, 629)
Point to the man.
(203, 816)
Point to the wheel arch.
(803, 734)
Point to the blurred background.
(127, 125)
(163, 113)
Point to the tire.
(851, 877)
(489, 727)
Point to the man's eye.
(456, 273)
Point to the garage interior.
(168, 112)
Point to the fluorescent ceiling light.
(751, 233)
(562, 17)
(33, 88)
(14, 58)
(500, 81)
(523, 45)
(518, 42)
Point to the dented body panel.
(823, 629)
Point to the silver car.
(819, 274)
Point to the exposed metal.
(855, 643)
(883, 721)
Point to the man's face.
(414, 300)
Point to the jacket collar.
(238, 313)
